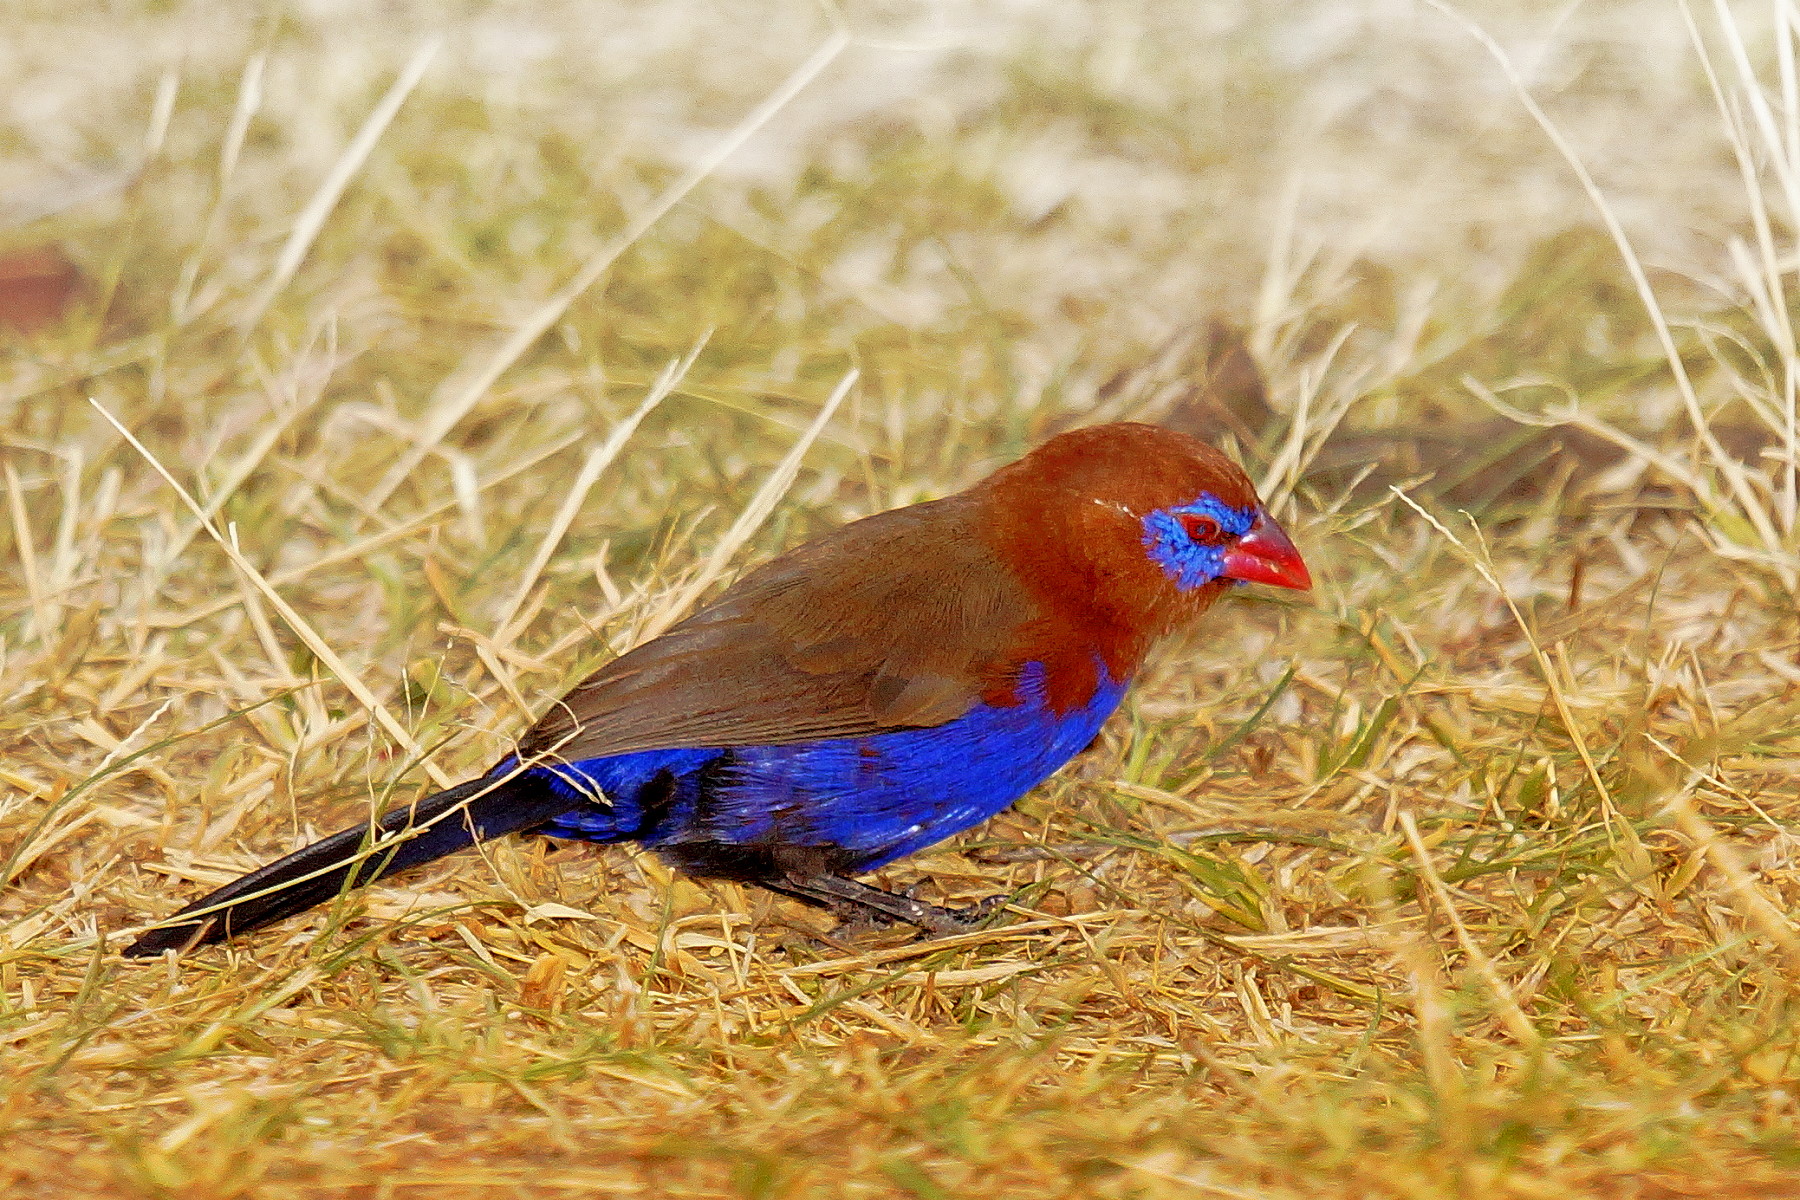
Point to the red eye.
(1202, 529)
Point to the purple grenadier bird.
(853, 700)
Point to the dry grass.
(1469, 875)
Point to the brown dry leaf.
(38, 286)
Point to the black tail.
(430, 829)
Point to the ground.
(374, 372)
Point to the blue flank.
(879, 797)
(1184, 560)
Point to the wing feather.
(894, 621)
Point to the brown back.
(892, 621)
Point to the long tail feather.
(430, 829)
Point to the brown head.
(1126, 531)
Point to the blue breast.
(874, 799)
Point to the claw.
(849, 899)
(982, 909)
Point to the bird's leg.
(1030, 852)
(847, 898)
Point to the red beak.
(1265, 555)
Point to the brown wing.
(889, 622)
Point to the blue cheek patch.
(1188, 563)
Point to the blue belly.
(869, 799)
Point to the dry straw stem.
(289, 408)
(764, 502)
(1749, 898)
(597, 461)
(459, 394)
(1482, 560)
(294, 621)
(1775, 547)
(1777, 146)
(1510, 1013)
(1315, 418)
(42, 620)
(1435, 1029)
(312, 218)
(363, 547)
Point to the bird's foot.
(971, 916)
(954, 920)
(936, 920)
(856, 903)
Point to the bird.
(853, 700)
